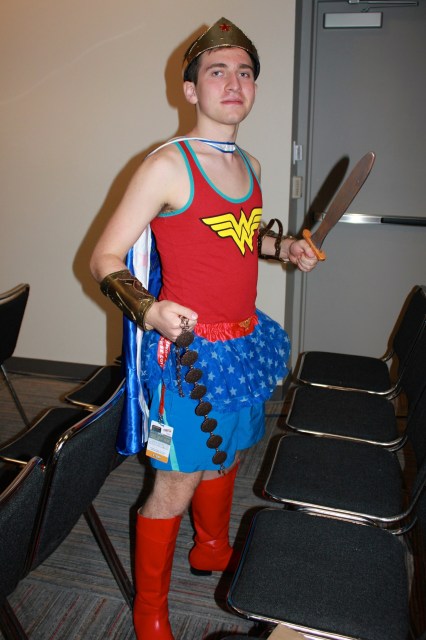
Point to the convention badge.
(159, 441)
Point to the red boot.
(155, 546)
(211, 511)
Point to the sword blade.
(341, 202)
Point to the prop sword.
(341, 202)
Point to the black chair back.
(19, 501)
(416, 432)
(414, 376)
(78, 468)
(412, 322)
(420, 509)
(12, 308)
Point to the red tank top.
(208, 249)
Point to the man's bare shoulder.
(161, 172)
(162, 179)
(254, 163)
(164, 159)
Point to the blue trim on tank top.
(207, 179)
(250, 171)
(167, 214)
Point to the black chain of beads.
(187, 359)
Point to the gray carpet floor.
(73, 595)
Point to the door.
(359, 88)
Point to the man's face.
(225, 90)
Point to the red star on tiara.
(225, 27)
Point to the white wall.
(87, 88)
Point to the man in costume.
(200, 358)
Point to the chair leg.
(9, 623)
(15, 397)
(110, 555)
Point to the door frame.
(304, 63)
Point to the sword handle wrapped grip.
(319, 254)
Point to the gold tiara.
(222, 34)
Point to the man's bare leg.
(171, 495)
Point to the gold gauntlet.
(266, 231)
(129, 295)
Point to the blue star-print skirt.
(238, 373)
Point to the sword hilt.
(318, 252)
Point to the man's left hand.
(301, 255)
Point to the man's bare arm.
(159, 183)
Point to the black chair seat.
(96, 390)
(356, 414)
(323, 574)
(345, 370)
(350, 414)
(41, 438)
(336, 474)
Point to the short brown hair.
(191, 71)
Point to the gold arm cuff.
(128, 294)
(266, 231)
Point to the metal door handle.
(361, 218)
(387, 3)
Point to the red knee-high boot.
(211, 511)
(155, 546)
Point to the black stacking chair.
(20, 494)
(347, 371)
(94, 392)
(327, 578)
(358, 415)
(12, 309)
(353, 480)
(78, 461)
(42, 436)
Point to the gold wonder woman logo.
(241, 231)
